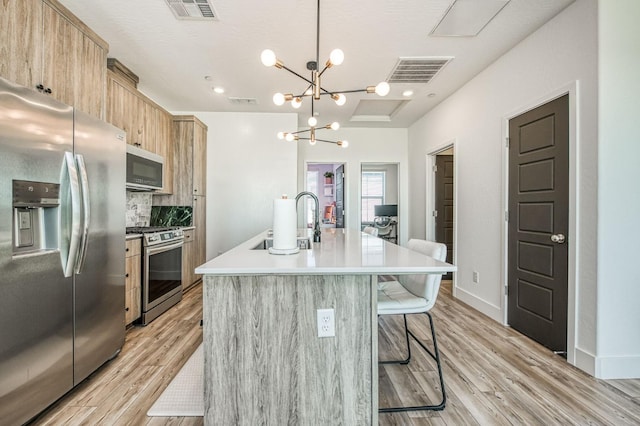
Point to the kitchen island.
(264, 361)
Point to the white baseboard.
(490, 310)
(585, 361)
(618, 367)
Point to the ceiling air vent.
(417, 70)
(243, 101)
(192, 9)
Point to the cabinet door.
(183, 153)
(61, 57)
(21, 41)
(133, 276)
(149, 123)
(164, 147)
(200, 236)
(121, 108)
(188, 276)
(199, 160)
(90, 87)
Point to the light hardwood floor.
(493, 376)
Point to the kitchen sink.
(304, 243)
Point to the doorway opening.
(379, 196)
(326, 181)
(441, 200)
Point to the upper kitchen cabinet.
(164, 147)
(45, 47)
(189, 162)
(128, 110)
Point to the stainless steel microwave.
(144, 170)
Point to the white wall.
(561, 54)
(618, 353)
(365, 146)
(247, 167)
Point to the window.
(372, 193)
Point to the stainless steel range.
(161, 269)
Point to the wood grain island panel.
(267, 365)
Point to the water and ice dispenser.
(35, 216)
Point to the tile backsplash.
(138, 208)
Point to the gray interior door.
(538, 223)
(444, 205)
(340, 196)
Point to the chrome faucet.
(316, 226)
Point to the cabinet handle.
(126, 275)
(127, 249)
(126, 309)
(40, 87)
(47, 91)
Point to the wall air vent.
(417, 70)
(243, 101)
(192, 9)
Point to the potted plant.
(328, 177)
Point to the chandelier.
(315, 91)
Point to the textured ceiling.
(172, 56)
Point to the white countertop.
(342, 251)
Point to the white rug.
(184, 397)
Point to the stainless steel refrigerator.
(62, 264)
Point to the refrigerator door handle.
(74, 187)
(86, 209)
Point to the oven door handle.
(161, 249)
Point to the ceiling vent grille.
(243, 101)
(417, 70)
(192, 9)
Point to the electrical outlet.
(476, 277)
(326, 323)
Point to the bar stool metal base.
(436, 357)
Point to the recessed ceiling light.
(218, 90)
(431, 95)
(207, 77)
(407, 93)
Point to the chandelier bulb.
(278, 99)
(335, 125)
(296, 103)
(289, 137)
(343, 144)
(312, 141)
(382, 88)
(281, 135)
(336, 57)
(268, 58)
(339, 98)
(312, 121)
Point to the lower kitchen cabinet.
(188, 276)
(133, 292)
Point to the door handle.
(558, 238)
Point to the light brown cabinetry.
(188, 276)
(148, 126)
(45, 47)
(189, 182)
(133, 292)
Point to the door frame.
(572, 89)
(306, 165)
(430, 200)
